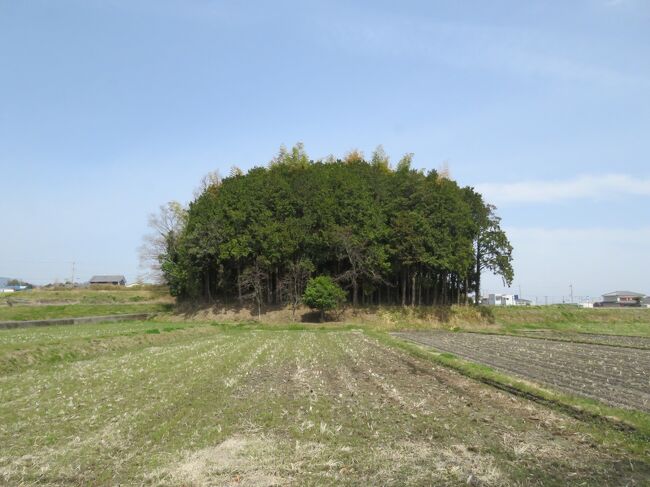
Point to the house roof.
(114, 278)
(624, 293)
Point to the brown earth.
(618, 376)
(599, 339)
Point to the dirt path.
(618, 376)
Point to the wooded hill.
(388, 236)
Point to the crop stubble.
(278, 408)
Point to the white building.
(499, 300)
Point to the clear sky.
(111, 108)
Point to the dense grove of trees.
(386, 235)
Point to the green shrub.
(323, 294)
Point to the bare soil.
(599, 339)
(618, 376)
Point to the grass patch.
(624, 328)
(26, 348)
(569, 314)
(448, 355)
(44, 312)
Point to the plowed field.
(618, 376)
(598, 339)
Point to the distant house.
(108, 280)
(5, 287)
(522, 302)
(621, 299)
(499, 300)
(646, 302)
(21, 287)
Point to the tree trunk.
(477, 291)
(206, 284)
(434, 299)
(403, 287)
(444, 289)
(355, 293)
(413, 281)
(322, 315)
(239, 296)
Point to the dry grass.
(510, 319)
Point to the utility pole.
(545, 300)
(571, 288)
(72, 280)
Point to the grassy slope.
(633, 321)
(104, 295)
(507, 319)
(67, 303)
(256, 406)
(23, 313)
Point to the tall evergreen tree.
(388, 236)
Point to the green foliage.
(388, 236)
(174, 275)
(323, 294)
(492, 250)
(19, 282)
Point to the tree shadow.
(311, 317)
(190, 308)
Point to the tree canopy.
(387, 236)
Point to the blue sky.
(111, 108)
